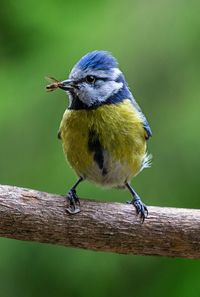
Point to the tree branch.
(36, 216)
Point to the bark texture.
(31, 215)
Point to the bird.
(104, 132)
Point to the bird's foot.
(73, 202)
(140, 207)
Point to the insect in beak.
(64, 85)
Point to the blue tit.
(103, 130)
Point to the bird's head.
(94, 79)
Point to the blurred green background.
(158, 46)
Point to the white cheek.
(108, 90)
(86, 94)
(91, 95)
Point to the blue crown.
(97, 60)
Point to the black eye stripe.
(96, 79)
(103, 78)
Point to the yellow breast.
(121, 134)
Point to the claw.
(76, 210)
(73, 202)
(141, 208)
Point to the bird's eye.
(90, 79)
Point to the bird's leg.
(73, 200)
(141, 208)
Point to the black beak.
(66, 85)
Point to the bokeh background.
(158, 46)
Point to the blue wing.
(145, 122)
(147, 128)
